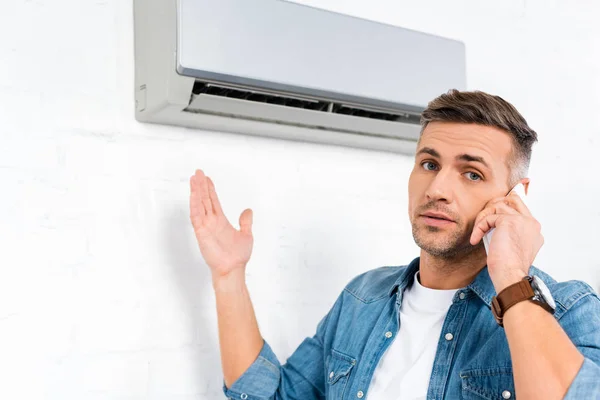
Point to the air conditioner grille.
(212, 89)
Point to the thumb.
(246, 221)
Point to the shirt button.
(388, 335)
(462, 295)
(506, 394)
(331, 375)
(449, 336)
(360, 394)
(244, 396)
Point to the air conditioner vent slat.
(213, 89)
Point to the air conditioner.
(280, 69)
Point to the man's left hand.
(516, 240)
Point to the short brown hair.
(485, 109)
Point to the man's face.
(458, 169)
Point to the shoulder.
(568, 294)
(375, 284)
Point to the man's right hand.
(224, 248)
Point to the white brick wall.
(103, 293)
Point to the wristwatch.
(530, 288)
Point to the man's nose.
(441, 188)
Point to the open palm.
(223, 247)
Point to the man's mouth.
(434, 218)
(437, 215)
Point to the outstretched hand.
(223, 247)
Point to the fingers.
(487, 218)
(196, 208)
(246, 221)
(515, 201)
(203, 199)
(214, 199)
(483, 226)
(527, 226)
(202, 186)
(510, 204)
(496, 207)
(200, 203)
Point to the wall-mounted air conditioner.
(280, 69)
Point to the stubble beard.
(451, 246)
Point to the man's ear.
(525, 182)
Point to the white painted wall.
(103, 293)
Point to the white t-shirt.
(404, 370)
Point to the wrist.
(233, 281)
(507, 279)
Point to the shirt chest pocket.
(488, 384)
(338, 373)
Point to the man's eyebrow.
(471, 158)
(430, 151)
(462, 157)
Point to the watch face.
(540, 286)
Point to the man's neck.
(439, 273)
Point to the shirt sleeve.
(582, 324)
(302, 376)
(587, 382)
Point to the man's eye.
(472, 176)
(429, 166)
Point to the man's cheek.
(470, 224)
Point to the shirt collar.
(406, 277)
(482, 285)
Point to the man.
(456, 322)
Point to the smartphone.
(487, 238)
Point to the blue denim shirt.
(339, 360)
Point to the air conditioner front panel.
(292, 48)
(241, 109)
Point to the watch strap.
(510, 296)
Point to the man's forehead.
(452, 140)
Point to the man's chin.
(436, 234)
(440, 242)
(436, 250)
(446, 250)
